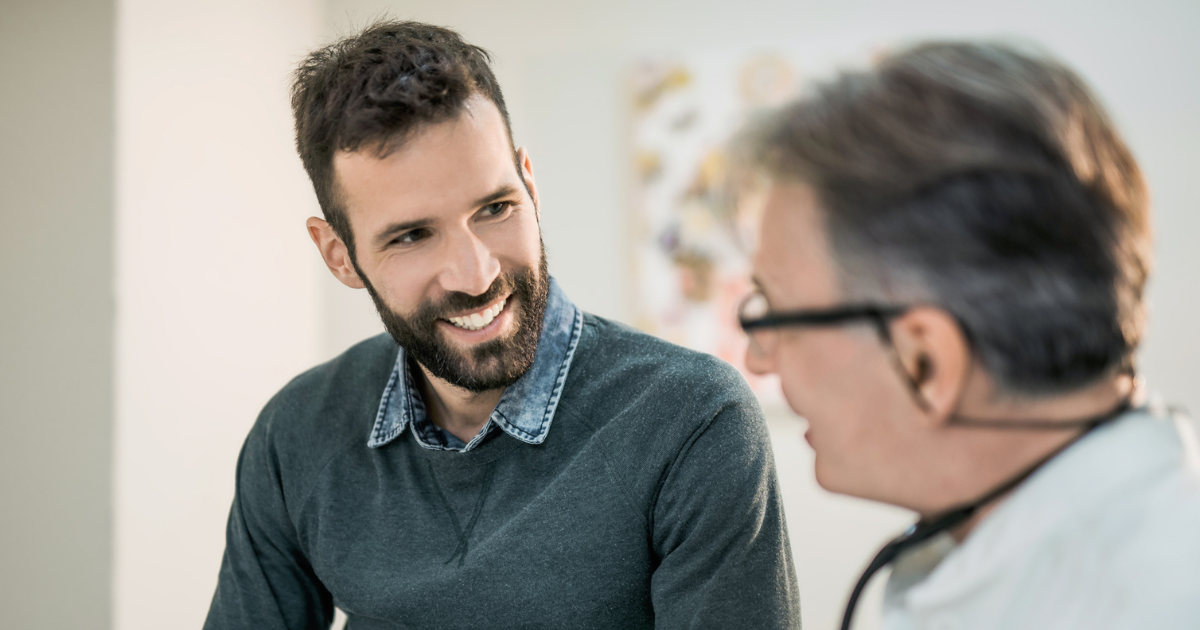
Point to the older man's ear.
(934, 352)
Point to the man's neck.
(461, 412)
(1091, 401)
(1018, 449)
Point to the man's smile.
(478, 319)
(481, 324)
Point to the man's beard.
(487, 366)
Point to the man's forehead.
(448, 164)
(792, 255)
(784, 225)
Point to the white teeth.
(475, 321)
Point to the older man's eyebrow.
(757, 285)
(386, 235)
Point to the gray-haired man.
(950, 277)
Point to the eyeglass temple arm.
(885, 336)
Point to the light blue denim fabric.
(525, 409)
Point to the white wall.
(216, 280)
(563, 68)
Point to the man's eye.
(410, 237)
(495, 209)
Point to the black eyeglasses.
(759, 322)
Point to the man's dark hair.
(373, 90)
(987, 181)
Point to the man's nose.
(470, 266)
(757, 361)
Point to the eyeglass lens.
(763, 341)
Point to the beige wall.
(56, 313)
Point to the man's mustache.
(456, 301)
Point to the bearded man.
(501, 459)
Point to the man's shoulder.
(355, 373)
(335, 400)
(1112, 524)
(651, 407)
(618, 353)
(1152, 523)
(641, 382)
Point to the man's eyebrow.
(389, 232)
(506, 190)
(756, 284)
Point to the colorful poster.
(693, 223)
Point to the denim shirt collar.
(525, 409)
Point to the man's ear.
(526, 166)
(934, 352)
(334, 252)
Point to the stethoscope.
(925, 529)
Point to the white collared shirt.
(1106, 536)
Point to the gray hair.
(987, 181)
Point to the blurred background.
(157, 285)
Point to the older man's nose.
(758, 361)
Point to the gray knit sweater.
(653, 503)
